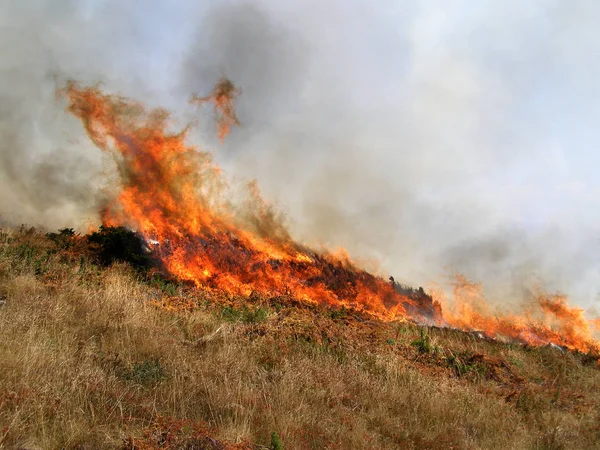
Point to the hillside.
(105, 354)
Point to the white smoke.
(432, 136)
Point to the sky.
(425, 137)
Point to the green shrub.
(459, 365)
(120, 244)
(25, 252)
(63, 239)
(339, 313)
(146, 372)
(275, 442)
(423, 344)
(167, 287)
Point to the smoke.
(432, 138)
(50, 174)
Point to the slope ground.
(95, 357)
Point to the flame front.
(548, 318)
(174, 193)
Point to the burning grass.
(210, 327)
(173, 195)
(99, 357)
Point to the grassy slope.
(101, 358)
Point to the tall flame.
(174, 193)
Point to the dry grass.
(99, 358)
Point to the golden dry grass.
(100, 358)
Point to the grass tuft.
(275, 442)
(146, 373)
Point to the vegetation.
(275, 442)
(101, 353)
(118, 244)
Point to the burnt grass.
(102, 349)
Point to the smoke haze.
(433, 138)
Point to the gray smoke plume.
(427, 137)
(431, 137)
(50, 174)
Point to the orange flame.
(223, 96)
(549, 319)
(173, 193)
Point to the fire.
(549, 318)
(223, 96)
(174, 194)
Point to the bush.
(167, 286)
(120, 244)
(423, 344)
(460, 366)
(146, 372)
(63, 239)
(275, 442)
